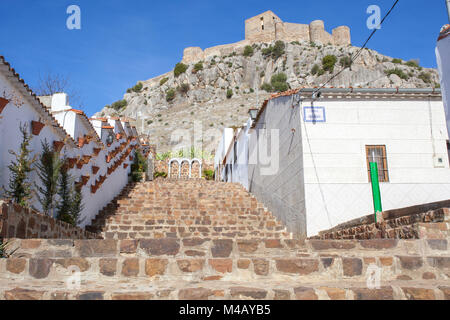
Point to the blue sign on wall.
(314, 114)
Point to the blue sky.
(122, 42)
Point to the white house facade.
(99, 151)
(324, 146)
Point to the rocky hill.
(218, 91)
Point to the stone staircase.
(199, 239)
(186, 208)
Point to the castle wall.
(295, 32)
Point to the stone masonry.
(198, 239)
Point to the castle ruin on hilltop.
(268, 27)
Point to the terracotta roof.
(107, 127)
(445, 32)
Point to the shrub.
(315, 69)
(397, 61)
(163, 80)
(275, 51)
(198, 67)
(266, 87)
(138, 167)
(179, 69)
(278, 82)
(412, 63)
(160, 174)
(346, 62)
(398, 72)
(208, 174)
(118, 105)
(184, 88)
(137, 88)
(170, 95)
(248, 51)
(149, 122)
(425, 77)
(320, 72)
(437, 85)
(328, 63)
(229, 93)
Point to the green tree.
(48, 168)
(198, 67)
(19, 188)
(65, 182)
(138, 167)
(76, 205)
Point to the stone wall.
(429, 221)
(23, 223)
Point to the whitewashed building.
(307, 159)
(100, 151)
(443, 62)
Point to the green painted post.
(375, 189)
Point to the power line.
(361, 49)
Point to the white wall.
(443, 62)
(334, 155)
(24, 110)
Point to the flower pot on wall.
(58, 145)
(86, 159)
(3, 103)
(118, 136)
(95, 169)
(72, 162)
(108, 158)
(84, 180)
(80, 164)
(94, 188)
(96, 151)
(125, 165)
(36, 127)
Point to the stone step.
(220, 290)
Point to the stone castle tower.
(268, 27)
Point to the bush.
(248, 51)
(328, 63)
(346, 62)
(179, 69)
(278, 82)
(184, 88)
(315, 69)
(170, 95)
(160, 174)
(119, 105)
(208, 174)
(163, 80)
(398, 72)
(437, 85)
(275, 51)
(425, 77)
(198, 67)
(266, 87)
(229, 93)
(397, 61)
(412, 63)
(137, 88)
(138, 167)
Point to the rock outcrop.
(219, 91)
